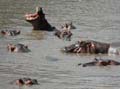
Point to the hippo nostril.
(12, 49)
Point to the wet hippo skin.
(89, 46)
(100, 62)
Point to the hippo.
(38, 20)
(17, 48)
(100, 62)
(10, 32)
(63, 34)
(90, 46)
(68, 26)
(26, 81)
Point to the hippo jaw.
(32, 17)
(38, 20)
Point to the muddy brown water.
(95, 19)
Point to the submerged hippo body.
(38, 20)
(90, 46)
(26, 81)
(17, 48)
(10, 32)
(100, 62)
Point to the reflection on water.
(36, 35)
(95, 19)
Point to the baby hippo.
(10, 32)
(17, 48)
(26, 81)
(100, 62)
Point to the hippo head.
(106, 62)
(17, 48)
(38, 20)
(26, 81)
(10, 32)
(71, 48)
(64, 34)
(78, 47)
(11, 47)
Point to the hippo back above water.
(100, 62)
(90, 46)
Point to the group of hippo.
(39, 22)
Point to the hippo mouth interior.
(30, 17)
(34, 16)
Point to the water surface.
(95, 19)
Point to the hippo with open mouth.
(10, 32)
(17, 48)
(26, 81)
(100, 62)
(38, 20)
(90, 46)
